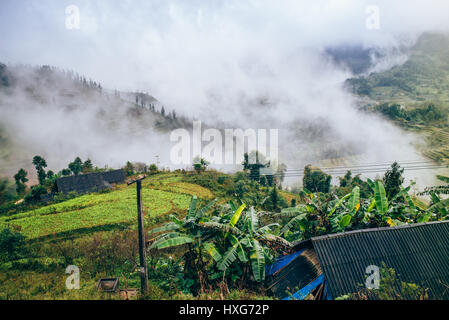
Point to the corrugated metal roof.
(418, 253)
(90, 182)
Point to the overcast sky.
(130, 44)
(216, 60)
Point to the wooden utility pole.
(142, 244)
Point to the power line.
(363, 166)
(366, 170)
(355, 170)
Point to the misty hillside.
(60, 114)
(423, 77)
(355, 58)
(415, 94)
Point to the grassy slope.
(94, 214)
(162, 194)
(81, 218)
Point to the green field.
(162, 195)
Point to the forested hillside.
(57, 111)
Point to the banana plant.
(316, 217)
(440, 207)
(180, 232)
(234, 236)
(188, 233)
(243, 240)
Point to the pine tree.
(393, 180)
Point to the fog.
(232, 64)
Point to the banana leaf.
(172, 242)
(381, 197)
(257, 259)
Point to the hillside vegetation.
(415, 95)
(424, 77)
(209, 234)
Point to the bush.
(7, 191)
(316, 180)
(35, 194)
(12, 245)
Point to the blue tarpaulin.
(304, 292)
(281, 262)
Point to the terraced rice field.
(437, 143)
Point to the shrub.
(12, 245)
(35, 194)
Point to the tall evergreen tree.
(40, 164)
(393, 180)
(21, 179)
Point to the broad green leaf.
(371, 184)
(307, 191)
(235, 218)
(409, 200)
(192, 208)
(212, 250)
(176, 220)
(167, 227)
(401, 193)
(291, 212)
(435, 198)
(371, 206)
(228, 258)
(338, 204)
(293, 222)
(443, 204)
(204, 209)
(381, 197)
(172, 242)
(267, 228)
(253, 220)
(355, 199)
(425, 218)
(240, 251)
(257, 259)
(345, 221)
(165, 236)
